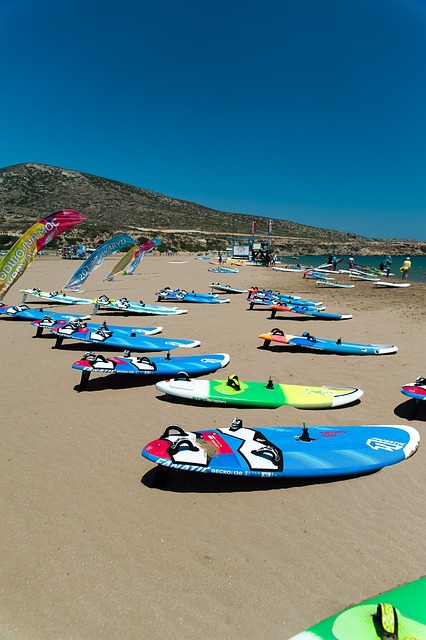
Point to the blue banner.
(119, 243)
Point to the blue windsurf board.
(158, 366)
(181, 295)
(24, 312)
(127, 306)
(267, 452)
(308, 341)
(47, 322)
(308, 311)
(118, 339)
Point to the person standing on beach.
(351, 262)
(406, 266)
(387, 265)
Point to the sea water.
(417, 272)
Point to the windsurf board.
(268, 302)
(109, 338)
(417, 391)
(163, 367)
(225, 288)
(47, 322)
(327, 283)
(355, 276)
(308, 341)
(268, 293)
(329, 265)
(24, 312)
(289, 269)
(316, 275)
(391, 285)
(181, 295)
(269, 394)
(275, 308)
(398, 613)
(127, 306)
(286, 452)
(54, 296)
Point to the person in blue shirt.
(387, 265)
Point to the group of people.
(269, 260)
(384, 266)
(331, 259)
(405, 268)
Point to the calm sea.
(417, 272)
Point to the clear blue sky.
(307, 110)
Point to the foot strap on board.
(234, 382)
(308, 336)
(173, 427)
(386, 619)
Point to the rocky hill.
(30, 191)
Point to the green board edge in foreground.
(357, 623)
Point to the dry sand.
(90, 550)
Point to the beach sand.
(90, 549)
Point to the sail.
(118, 243)
(133, 256)
(122, 263)
(23, 252)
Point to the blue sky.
(305, 110)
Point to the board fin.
(305, 437)
(270, 384)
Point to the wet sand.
(90, 549)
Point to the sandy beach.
(91, 550)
